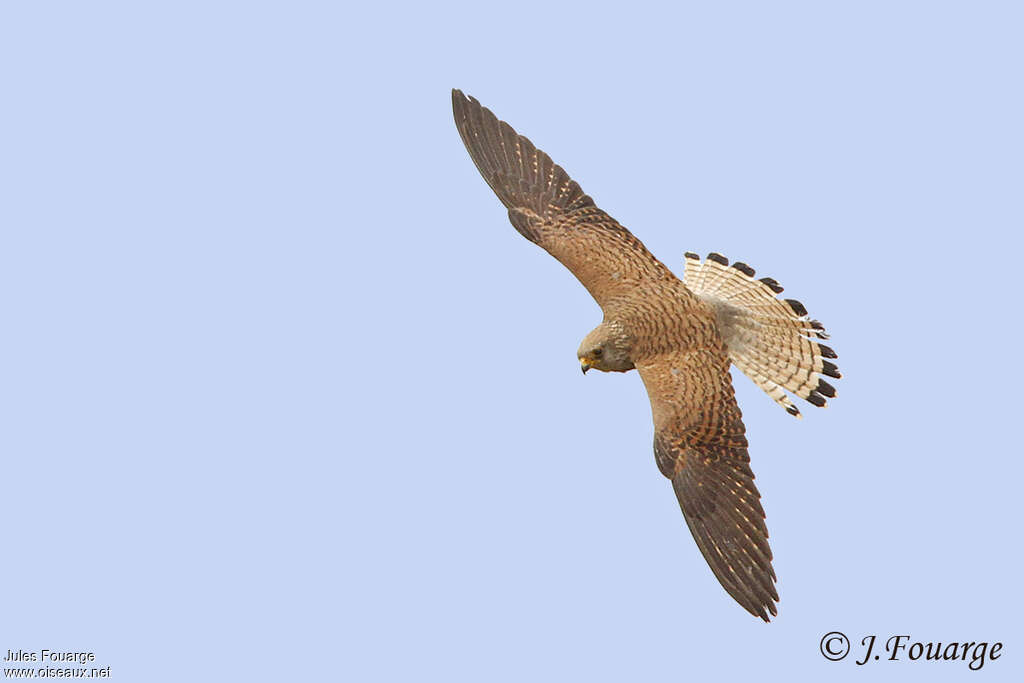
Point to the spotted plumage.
(680, 335)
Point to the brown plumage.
(681, 337)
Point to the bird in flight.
(680, 335)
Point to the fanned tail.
(771, 340)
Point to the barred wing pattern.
(677, 348)
(700, 444)
(550, 209)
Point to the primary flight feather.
(680, 335)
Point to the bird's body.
(680, 335)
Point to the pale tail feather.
(771, 340)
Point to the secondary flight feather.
(680, 335)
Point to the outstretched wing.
(549, 208)
(699, 444)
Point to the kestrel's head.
(606, 348)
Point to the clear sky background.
(284, 396)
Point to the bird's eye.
(598, 352)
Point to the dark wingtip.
(692, 256)
(771, 609)
(793, 410)
(718, 258)
(531, 180)
(772, 284)
(460, 99)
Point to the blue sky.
(287, 397)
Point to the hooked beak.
(585, 365)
